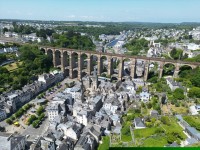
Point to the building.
(12, 142)
(54, 110)
(173, 84)
(2, 114)
(44, 143)
(193, 133)
(144, 96)
(51, 78)
(194, 110)
(139, 123)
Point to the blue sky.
(174, 11)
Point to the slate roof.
(139, 122)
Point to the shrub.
(177, 104)
(9, 121)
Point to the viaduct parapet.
(75, 62)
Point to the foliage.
(168, 69)
(194, 59)
(194, 92)
(193, 121)
(158, 141)
(178, 94)
(2, 129)
(73, 40)
(34, 63)
(23, 29)
(173, 136)
(2, 58)
(105, 144)
(41, 116)
(126, 130)
(40, 110)
(19, 113)
(31, 119)
(154, 79)
(35, 123)
(176, 53)
(192, 76)
(8, 121)
(136, 45)
(165, 120)
(44, 33)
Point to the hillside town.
(156, 105)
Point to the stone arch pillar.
(80, 66)
(62, 61)
(121, 66)
(146, 70)
(161, 69)
(89, 64)
(133, 68)
(100, 65)
(54, 58)
(71, 66)
(176, 71)
(110, 65)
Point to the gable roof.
(139, 122)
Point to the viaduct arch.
(71, 60)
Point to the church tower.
(94, 78)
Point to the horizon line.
(103, 21)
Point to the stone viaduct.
(72, 62)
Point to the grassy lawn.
(194, 121)
(179, 110)
(157, 136)
(144, 133)
(126, 138)
(13, 66)
(105, 144)
(158, 141)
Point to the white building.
(53, 111)
(173, 84)
(144, 96)
(8, 34)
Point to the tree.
(40, 110)
(170, 138)
(194, 92)
(165, 120)
(2, 129)
(35, 123)
(178, 94)
(176, 53)
(149, 105)
(5, 30)
(31, 119)
(9, 121)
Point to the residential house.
(54, 110)
(193, 133)
(144, 96)
(44, 143)
(139, 123)
(173, 84)
(12, 142)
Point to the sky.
(164, 11)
